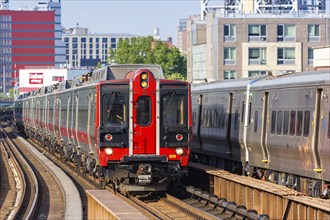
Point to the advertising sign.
(36, 78)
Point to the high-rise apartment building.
(85, 50)
(247, 38)
(29, 38)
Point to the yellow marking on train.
(172, 156)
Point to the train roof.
(285, 80)
(295, 79)
(119, 71)
(224, 84)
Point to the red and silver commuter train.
(123, 123)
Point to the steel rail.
(28, 170)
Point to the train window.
(273, 122)
(329, 125)
(306, 123)
(286, 123)
(255, 121)
(144, 111)
(236, 120)
(299, 123)
(194, 118)
(243, 110)
(279, 122)
(250, 112)
(292, 122)
(173, 105)
(114, 109)
(223, 119)
(214, 117)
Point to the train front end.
(144, 131)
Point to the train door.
(144, 125)
(199, 120)
(228, 125)
(57, 108)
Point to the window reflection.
(173, 109)
(143, 111)
(114, 109)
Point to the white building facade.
(85, 50)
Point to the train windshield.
(173, 112)
(143, 111)
(114, 109)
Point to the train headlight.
(108, 137)
(179, 137)
(179, 151)
(108, 151)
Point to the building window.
(286, 55)
(257, 33)
(313, 32)
(230, 32)
(90, 40)
(229, 74)
(286, 32)
(257, 56)
(113, 40)
(83, 40)
(310, 56)
(229, 56)
(113, 46)
(254, 73)
(66, 39)
(74, 39)
(58, 78)
(104, 40)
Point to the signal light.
(179, 137)
(144, 76)
(108, 137)
(144, 84)
(144, 80)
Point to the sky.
(123, 16)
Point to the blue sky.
(123, 16)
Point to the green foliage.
(99, 65)
(11, 94)
(144, 50)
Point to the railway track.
(24, 199)
(42, 196)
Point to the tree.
(99, 65)
(144, 50)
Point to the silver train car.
(275, 128)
